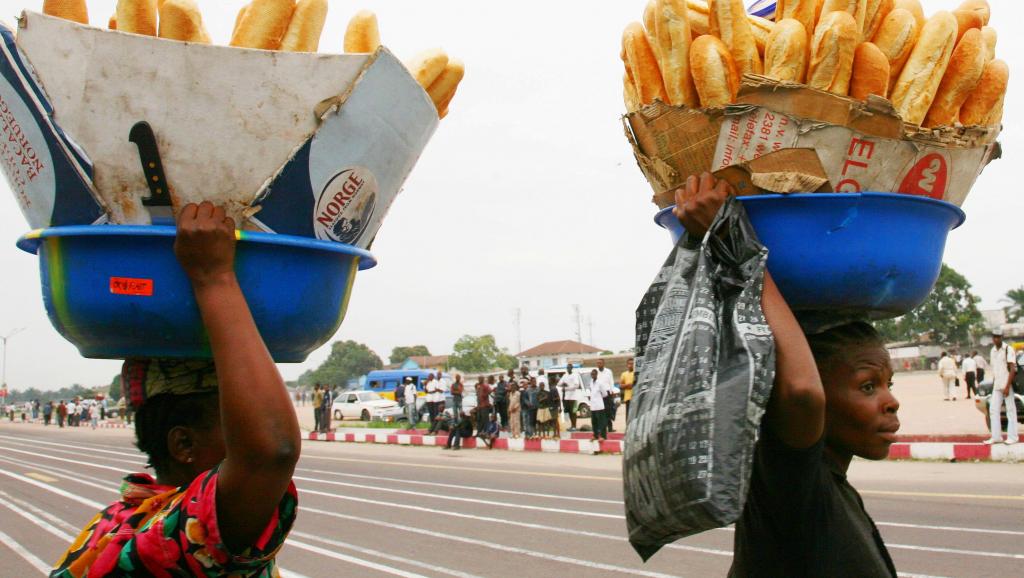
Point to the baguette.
(979, 6)
(896, 39)
(181, 20)
(915, 90)
(649, 9)
(714, 72)
(983, 106)
(728, 20)
(914, 7)
(303, 33)
(263, 24)
(803, 11)
(362, 34)
(989, 35)
(629, 96)
(427, 66)
(443, 89)
(700, 23)
(238, 19)
(817, 13)
(966, 20)
(832, 49)
(673, 39)
(785, 55)
(876, 13)
(870, 72)
(856, 8)
(643, 64)
(74, 10)
(137, 16)
(962, 75)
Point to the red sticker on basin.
(129, 286)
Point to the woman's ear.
(181, 444)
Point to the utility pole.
(578, 322)
(3, 372)
(517, 321)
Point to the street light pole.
(3, 340)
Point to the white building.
(555, 354)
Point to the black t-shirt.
(802, 518)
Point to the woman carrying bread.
(222, 502)
(832, 400)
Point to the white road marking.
(352, 560)
(491, 545)
(81, 500)
(76, 478)
(955, 551)
(289, 574)
(67, 445)
(134, 462)
(527, 494)
(384, 555)
(27, 556)
(55, 520)
(461, 499)
(38, 522)
(950, 528)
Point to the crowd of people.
(517, 404)
(76, 412)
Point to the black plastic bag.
(705, 366)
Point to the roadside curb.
(54, 425)
(564, 446)
(936, 451)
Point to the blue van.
(384, 382)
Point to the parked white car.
(363, 405)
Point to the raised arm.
(796, 410)
(261, 432)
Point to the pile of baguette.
(287, 25)
(937, 71)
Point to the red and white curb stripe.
(566, 446)
(899, 451)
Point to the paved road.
(382, 510)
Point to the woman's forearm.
(796, 411)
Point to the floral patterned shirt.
(166, 532)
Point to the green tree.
(949, 316)
(1015, 310)
(114, 392)
(479, 353)
(348, 360)
(401, 353)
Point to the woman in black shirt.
(832, 400)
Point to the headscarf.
(145, 378)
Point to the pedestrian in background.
(626, 380)
(515, 411)
(47, 412)
(1004, 368)
(528, 401)
(598, 417)
(62, 413)
(410, 402)
(490, 432)
(94, 415)
(72, 414)
(572, 391)
(969, 368)
(400, 393)
(982, 365)
(35, 409)
(457, 390)
(318, 400)
(483, 402)
(430, 396)
(325, 408)
(553, 405)
(947, 373)
(463, 429)
(606, 376)
(501, 402)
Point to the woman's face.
(860, 411)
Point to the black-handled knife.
(143, 137)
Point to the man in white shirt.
(970, 367)
(571, 387)
(608, 386)
(72, 414)
(982, 365)
(1004, 367)
(947, 373)
(410, 402)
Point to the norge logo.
(346, 205)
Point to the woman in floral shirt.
(223, 501)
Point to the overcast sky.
(528, 198)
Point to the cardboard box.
(49, 174)
(296, 143)
(854, 146)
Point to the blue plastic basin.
(117, 291)
(873, 253)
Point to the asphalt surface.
(370, 510)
